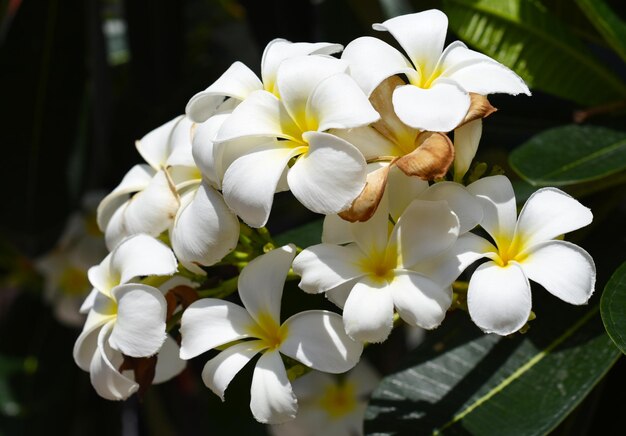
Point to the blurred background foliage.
(81, 80)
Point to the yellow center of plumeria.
(339, 400)
(269, 331)
(425, 81)
(379, 265)
(509, 250)
(74, 281)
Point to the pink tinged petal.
(402, 190)
(421, 35)
(260, 115)
(205, 229)
(87, 342)
(370, 142)
(425, 229)
(251, 181)
(108, 382)
(499, 211)
(219, 371)
(142, 255)
(368, 312)
(139, 329)
(498, 298)
(237, 82)
(325, 266)
(272, 400)
(439, 108)
(419, 300)
(329, 176)
(154, 147)
(464, 205)
(279, 50)
(548, 213)
(261, 283)
(169, 364)
(479, 73)
(337, 102)
(317, 339)
(466, 139)
(564, 269)
(336, 230)
(372, 61)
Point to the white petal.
(205, 151)
(237, 82)
(419, 300)
(479, 73)
(369, 141)
(365, 377)
(209, 323)
(466, 139)
(219, 371)
(261, 282)
(372, 236)
(205, 229)
(87, 342)
(280, 49)
(180, 144)
(465, 205)
(425, 229)
(154, 147)
(251, 181)
(499, 211)
(439, 108)
(272, 400)
(338, 103)
(317, 339)
(142, 255)
(326, 266)
(372, 61)
(139, 329)
(498, 298)
(421, 35)
(564, 269)
(336, 230)
(329, 176)
(116, 231)
(339, 294)
(368, 312)
(402, 190)
(108, 382)
(101, 277)
(88, 303)
(548, 213)
(169, 364)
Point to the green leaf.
(613, 307)
(529, 39)
(303, 236)
(570, 154)
(461, 381)
(610, 26)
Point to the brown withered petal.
(479, 108)
(183, 295)
(431, 159)
(172, 302)
(144, 369)
(364, 206)
(389, 123)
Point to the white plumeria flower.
(315, 338)
(499, 298)
(239, 81)
(330, 405)
(328, 172)
(127, 318)
(377, 273)
(436, 97)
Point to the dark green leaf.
(570, 154)
(610, 26)
(526, 37)
(461, 381)
(613, 307)
(303, 236)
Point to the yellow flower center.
(509, 250)
(339, 400)
(74, 281)
(379, 265)
(269, 331)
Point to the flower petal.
(464, 205)
(169, 364)
(336, 230)
(272, 400)
(368, 312)
(339, 294)
(402, 190)
(219, 371)
(251, 181)
(325, 266)
(419, 300)
(209, 323)
(88, 302)
(466, 139)
(365, 205)
(87, 342)
(548, 213)
(139, 329)
(205, 150)
(180, 144)
(564, 269)
(498, 298)
(439, 108)
(499, 211)
(205, 229)
(238, 81)
(142, 255)
(372, 236)
(430, 159)
(370, 142)
(154, 147)
(329, 176)
(317, 339)
(261, 282)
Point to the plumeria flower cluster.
(362, 136)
